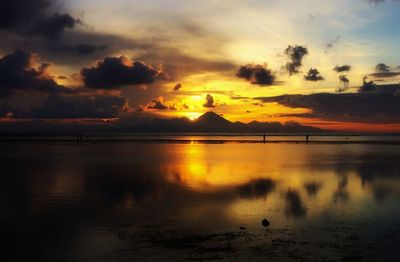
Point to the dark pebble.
(265, 222)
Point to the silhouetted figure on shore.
(264, 138)
(79, 138)
(307, 138)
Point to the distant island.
(209, 122)
(213, 122)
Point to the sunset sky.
(332, 64)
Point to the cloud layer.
(114, 72)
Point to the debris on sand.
(242, 228)
(265, 222)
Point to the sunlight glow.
(193, 115)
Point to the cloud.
(59, 40)
(295, 54)
(52, 27)
(342, 68)
(382, 68)
(16, 13)
(18, 73)
(33, 25)
(313, 75)
(177, 87)
(209, 101)
(115, 72)
(330, 45)
(379, 106)
(367, 86)
(78, 106)
(79, 49)
(159, 103)
(345, 81)
(34, 17)
(256, 74)
(370, 87)
(383, 71)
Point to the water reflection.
(341, 194)
(294, 204)
(257, 188)
(312, 188)
(70, 198)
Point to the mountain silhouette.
(211, 118)
(209, 122)
(213, 122)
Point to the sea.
(207, 197)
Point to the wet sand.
(336, 242)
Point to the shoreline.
(193, 141)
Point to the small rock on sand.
(265, 222)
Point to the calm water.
(119, 201)
(206, 137)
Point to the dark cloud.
(16, 13)
(52, 27)
(382, 71)
(159, 104)
(71, 107)
(209, 101)
(34, 17)
(295, 55)
(382, 68)
(33, 25)
(140, 108)
(342, 68)
(331, 44)
(76, 47)
(114, 72)
(367, 86)
(379, 106)
(370, 87)
(385, 74)
(313, 75)
(80, 49)
(17, 73)
(345, 81)
(256, 74)
(177, 87)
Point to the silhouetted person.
(307, 139)
(264, 138)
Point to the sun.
(193, 115)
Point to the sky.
(328, 64)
